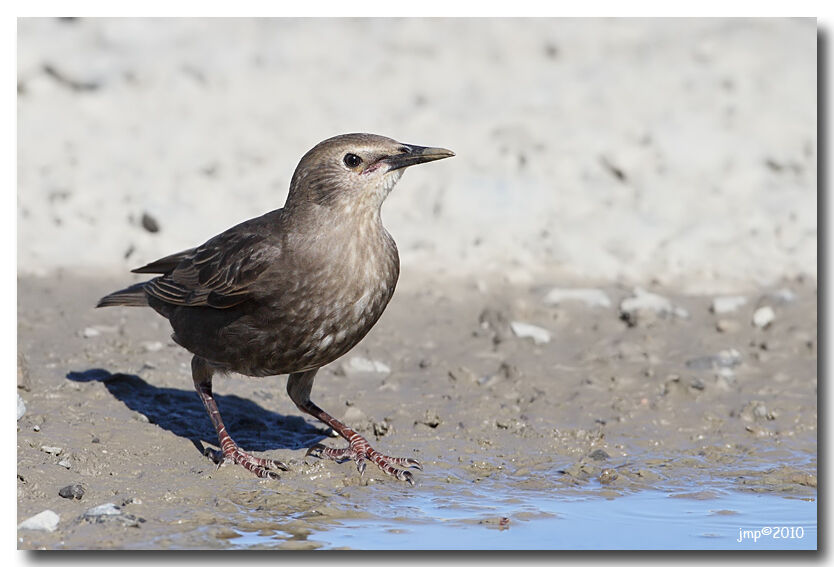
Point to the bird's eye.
(352, 160)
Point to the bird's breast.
(332, 303)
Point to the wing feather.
(221, 272)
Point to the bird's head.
(355, 172)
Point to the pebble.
(727, 303)
(149, 223)
(72, 492)
(110, 512)
(590, 296)
(763, 317)
(65, 463)
(90, 332)
(21, 407)
(599, 455)
(358, 364)
(607, 476)
(46, 521)
(727, 326)
(51, 450)
(108, 509)
(525, 330)
(152, 346)
(644, 301)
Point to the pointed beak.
(412, 155)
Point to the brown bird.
(292, 290)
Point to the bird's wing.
(165, 265)
(218, 274)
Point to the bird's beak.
(412, 155)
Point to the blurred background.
(681, 152)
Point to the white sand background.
(676, 151)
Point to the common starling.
(292, 290)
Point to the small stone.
(152, 346)
(108, 509)
(763, 317)
(525, 330)
(46, 521)
(111, 513)
(149, 223)
(589, 296)
(644, 302)
(65, 463)
(727, 304)
(359, 364)
(51, 450)
(727, 326)
(90, 332)
(72, 492)
(21, 407)
(607, 476)
(599, 455)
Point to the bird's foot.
(360, 450)
(263, 468)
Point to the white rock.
(108, 509)
(46, 521)
(589, 296)
(763, 316)
(646, 301)
(90, 332)
(526, 330)
(360, 364)
(51, 450)
(152, 346)
(21, 407)
(727, 303)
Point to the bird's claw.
(361, 452)
(262, 468)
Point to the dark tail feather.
(133, 296)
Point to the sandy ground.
(676, 155)
(607, 406)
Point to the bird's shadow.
(182, 413)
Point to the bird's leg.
(299, 386)
(202, 372)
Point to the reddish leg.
(202, 372)
(299, 386)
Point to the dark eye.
(352, 160)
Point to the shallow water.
(480, 519)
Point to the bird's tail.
(133, 296)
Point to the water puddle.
(477, 519)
